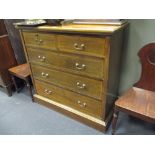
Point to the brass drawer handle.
(79, 47)
(81, 86)
(82, 104)
(48, 92)
(40, 42)
(41, 58)
(82, 67)
(45, 75)
(36, 37)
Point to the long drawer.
(74, 100)
(83, 85)
(40, 40)
(80, 64)
(94, 46)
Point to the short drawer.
(83, 85)
(40, 40)
(93, 46)
(84, 65)
(79, 102)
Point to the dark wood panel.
(7, 59)
(2, 28)
(147, 58)
(5, 77)
(14, 37)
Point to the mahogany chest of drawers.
(75, 69)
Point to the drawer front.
(83, 85)
(93, 46)
(79, 102)
(79, 64)
(40, 40)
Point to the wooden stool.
(139, 101)
(22, 72)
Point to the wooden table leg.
(29, 88)
(14, 82)
(114, 120)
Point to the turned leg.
(114, 120)
(29, 88)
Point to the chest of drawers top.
(84, 29)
